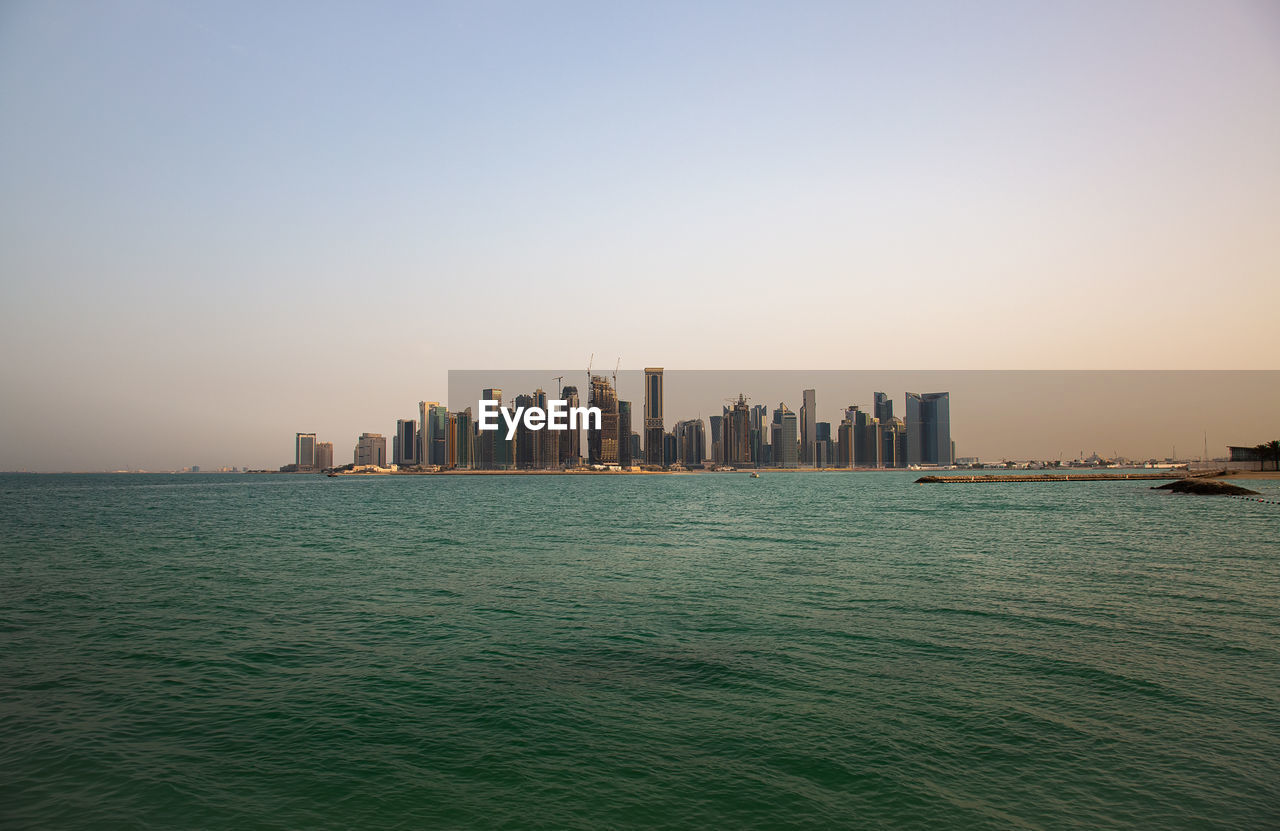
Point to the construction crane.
(559, 384)
(590, 361)
(615, 374)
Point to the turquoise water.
(797, 651)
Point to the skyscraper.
(822, 455)
(759, 433)
(526, 439)
(808, 417)
(548, 457)
(625, 458)
(305, 450)
(691, 442)
(866, 440)
(371, 449)
(882, 410)
(893, 443)
(570, 440)
(602, 443)
(736, 429)
(783, 438)
(435, 435)
(654, 427)
(460, 439)
(936, 409)
(493, 451)
(324, 455)
(405, 442)
(929, 428)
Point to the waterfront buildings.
(783, 437)
(929, 428)
(570, 440)
(691, 442)
(459, 440)
(654, 427)
(823, 455)
(735, 425)
(371, 449)
(492, 449)
(404, 444)
(808, 415)
(759, 434)
(882, 409)
(738, 437)
(304, 451)
(626, 456)
(866, 439)
(670, 450)
(893, 443)
(602, 442)
(433, 430)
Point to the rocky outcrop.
(1206, 487)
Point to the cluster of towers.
(742, 435)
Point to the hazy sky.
(221, 223)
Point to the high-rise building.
(324, 455)
(783, 438)
(625, 456)
(433, 433)
(915, 428)
(526, 439)
(844, 442)
(635, 448)
(570, 440)
(866, 440)
(404, 443)
(822, 451)
(371, 449)
(717, 443)
(461, 439)
(654, 426)
(936, 409)
(691, 442)
(670, 449)
(493, 451)
(305, 450)
(893, 443)
(602, 443)
(736, 431)
(548, 457)
(882, 411)
(759, 433)
(929, 428)
(808, 417)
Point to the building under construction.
(602, 443)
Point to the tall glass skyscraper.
(808, 417)
(654, 428)
(929, 428)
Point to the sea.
(801, 650)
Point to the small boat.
(755, 475)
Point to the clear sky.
(221, 223)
